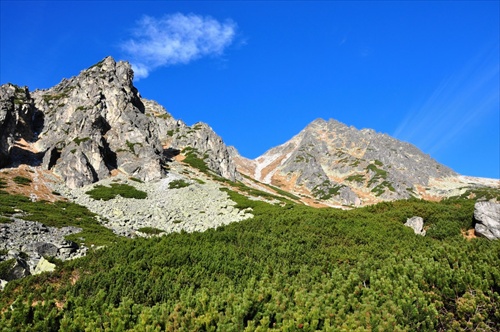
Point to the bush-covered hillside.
(290, 268)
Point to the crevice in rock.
(53, 155)
(108, 155)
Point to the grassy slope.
(289, 268)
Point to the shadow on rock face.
(171, 153)
(19, 156)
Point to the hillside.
(290, 267)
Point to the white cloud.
(176, 39)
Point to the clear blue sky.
(259, 72)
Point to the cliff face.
(18, 119)
(96, 123)
(333, 162)
(200, 138)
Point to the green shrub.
(326, 190)
(5, 220)
(290, 267)
(136, 179)
(176, 184)
(78, 140)
(360, 178)
(444, 229)
(58, 214)
(124, 190)
(193, 160)
(131, 147)
(6, 267)
(150, 230)
(22, 180)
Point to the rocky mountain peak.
(95, 124)
(330, 161)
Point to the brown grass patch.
(469, 234)
(38, 186)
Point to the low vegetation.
(57, 214)
(21, 180)
(359, 178)
(79, 140)
(177, 184)
(193, 159)
(150, 230)
(379, 173)
(291, 268)
(326, 190)
(124, 190)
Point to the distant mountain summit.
(331, 162)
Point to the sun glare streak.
(458, 102)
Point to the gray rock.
(487, 216)
(94, 123)
(18, 269)
(45, 249)
(44, 266)
(3, 283)
(374, 164)
(175, 135)
(417, 224)
(17, 114)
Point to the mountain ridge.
(93, 125)
(326, 155)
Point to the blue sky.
(259, 72)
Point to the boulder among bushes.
(487, 216)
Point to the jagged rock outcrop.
(94, 123)
(331, 161)
(18, 118)
(487, 216)
(199, 138)
(17, 269)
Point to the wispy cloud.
(176, 39)
(460, 101)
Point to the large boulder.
(17, 268)
(487, 216)
(417, 224)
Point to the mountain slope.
(336, 164)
